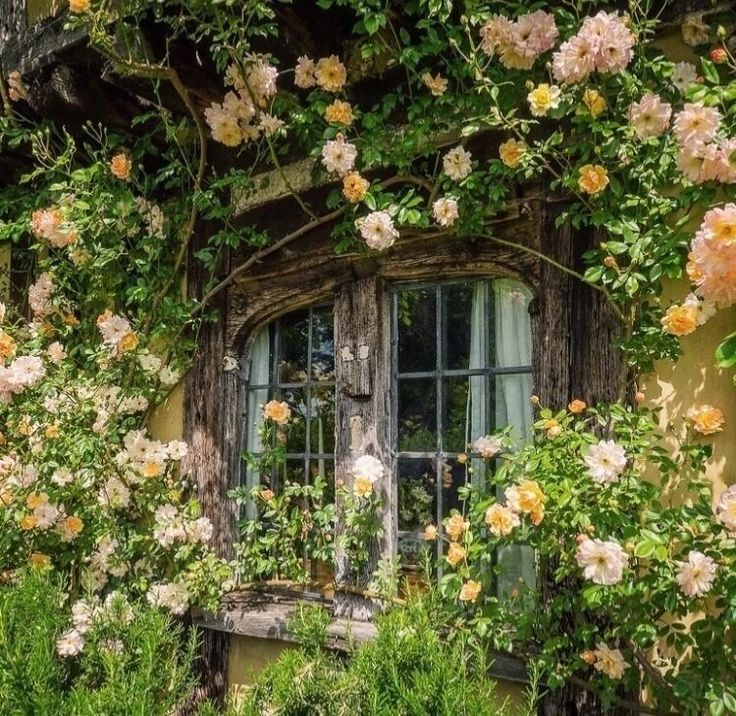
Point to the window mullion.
(439, 353)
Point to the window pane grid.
(276, 389)
(485, 369)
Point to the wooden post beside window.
(362, 363)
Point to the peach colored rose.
(470, 591)
(593, 178)
(577, 406)
(354, 187)
(706, 419)
(277, 411)
(120, 166)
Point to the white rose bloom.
(606, 461)
(369, 467)
(200, 530)
(338, 156)
(83, 615)
(487, 446)
(168, 376)
(149, 362)
(62, 476)
(445, 211)
(378, 230)
(610, 662)
(456, 163)
(684, 75)
(176, 449)
(696, 575)
(114, 493)
(70, 643)
(602, 562)
(172, 596)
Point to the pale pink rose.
(338, 156)
(616, 42)
(56, 353)
(609, 661)
(726, 162)
(602, 562)
(304, 72)
(575, 60)
(696, 575)
(535, 33)
(496, 33)
(650, 116)
(726, 509)
(696, 123)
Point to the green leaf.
(710, 72)
(726, 352)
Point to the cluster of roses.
(241, 117)
(88, 614)
(526, 498)
(711, 268)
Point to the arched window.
(460, 368)
(293, 359)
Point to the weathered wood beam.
(265, 615)
(299, 176)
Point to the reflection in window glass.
(461, 369)
(292, 359)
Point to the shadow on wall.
(696, 380)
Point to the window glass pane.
(417, 486)
(417, 319)
(293, 345)
(513, 404)
(460, 302)
(417, 418)
(326, 468)
(453, 477)
(294, 436)
(322, 419)
(291, 471)
(458, 410)
(323, 345)
(256, 399)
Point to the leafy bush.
(136, 662)
(408, 670)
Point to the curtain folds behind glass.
(512, 403)
(478, 396)
(259, 373)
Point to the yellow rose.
(28, 522)
(339, 112)
(595, 102)
(129, 342)
(6, 498)
(437, 85)
(501, 520)
(543, 98)
(152, 469)
(455, 526)
(470, 591)
(74, 524)
(354, 187)
(120, 166)
(511, 152)
(526, 497)
(552, 427)
(78, 6)
(362, 486)
(330, 73)
(277, 411)
(593, 178)
(430, 533)
(706, 419)
(680, 320)
(52, 431)
(36, 499)
(267, 495)
(39, 559)
(7, 345)
(455, 554)
(577, 406)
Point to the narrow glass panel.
(323, 345)
(453, 476)
(417, 321)
(326, 469)
(322, 419)
(293, 436)
(256, 399)
(292, 347)
(292, 471)
(460, 302)
(458, 423)
(417, 419)
(417, 493)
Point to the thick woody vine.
(642, 149)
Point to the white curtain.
(258, 374)
(477, 412)
(513, 406)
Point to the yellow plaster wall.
(695, 380)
